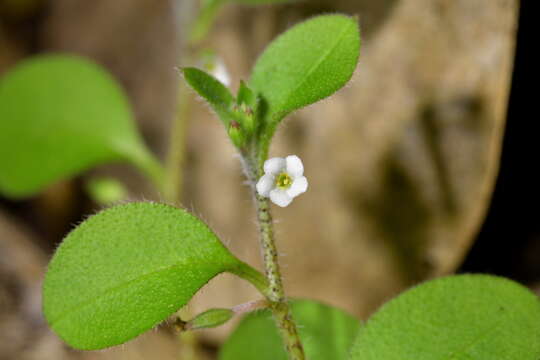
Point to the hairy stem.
(278, 303)
(250, 306)
(275, 294)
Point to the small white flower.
(283, 180)
(220, 72)
(216, 67)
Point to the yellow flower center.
(283, 181)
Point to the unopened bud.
(246, 108)
(236, 134)
(249, 119)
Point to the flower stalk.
(276, 296)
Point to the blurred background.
(417, 167)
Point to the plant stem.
(172, 193)
(250, 306)
(175, 155)
(149, 166)
(275, 294)
(278, 303)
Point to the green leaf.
(326, 333)
(205, 19)
(210, 318)
(305, 64)
(239, 120)
(246, 96)
(60, 115)
(209, 11)
(213, 91)
(476, 317)
(126, 269)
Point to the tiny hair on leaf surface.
(461, 317)
(61, 115)
(326, 333)
(307, 63)
(213, 91)
(126, 269)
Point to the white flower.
(283, 180)
(216, 67)
(220, 72)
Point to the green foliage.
(209, 11)
(60, 115)
(237, 115)
(464, 317)
(106, 191)
(326, 333)
(207, 15)
(126, 269)
(305, 64)
(213, 91)
(246, 97)
(211, 318)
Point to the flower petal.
(220, 72)
(274, 166)
(299, 186)
(294, 166)
(265, 184)
(280, 197)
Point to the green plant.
(129, 267)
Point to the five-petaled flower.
(283, 180)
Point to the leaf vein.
(314, 67)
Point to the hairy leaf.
(213, 91)
(246, 96)
(126, 269)
(305, 64)
(459, 317)
(210, 318)
(60, 115)
(326, 333)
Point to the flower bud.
(246, 108)
(247, 118)
(236, 134)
